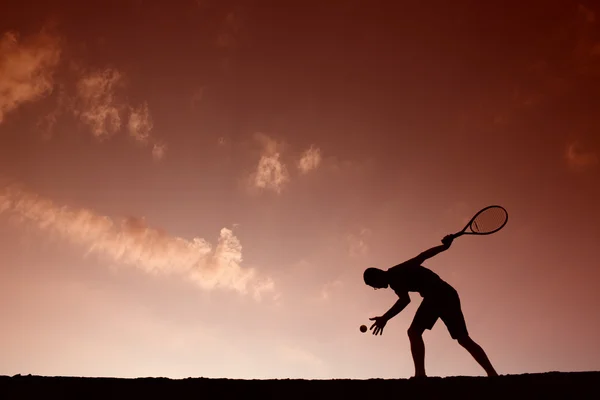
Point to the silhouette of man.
(440, 300)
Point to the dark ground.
(557, 385)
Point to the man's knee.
(464, 340)
(415, 333)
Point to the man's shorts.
(444, 305)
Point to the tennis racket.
(488, 220)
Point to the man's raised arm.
(447, 240)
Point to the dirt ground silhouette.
(576, 385)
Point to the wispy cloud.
(27, 69)
(578, 159)
(328, 289)
(270, 172)
(27, 74)
(132, 242)
(309, 160)
(140, 123)
(97, 106)
(357, 243)
(158, 151)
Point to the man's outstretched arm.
(447, 241)
(380, 322)
(397, 307)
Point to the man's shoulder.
(409, 264)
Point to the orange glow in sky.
(195, 188)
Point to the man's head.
(375, 278)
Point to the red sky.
(195, 188)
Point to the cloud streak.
(133, 243)
(27, 69)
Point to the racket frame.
(464, 230)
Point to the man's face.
(377, 284)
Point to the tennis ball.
(363, 328)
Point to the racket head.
(488, 220)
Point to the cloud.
(48, 121)
(140, 123)
(578, 159)
(96, 104)
(27, 74)
(309, 160)
(270, 172)
(27, 69)
(158, 151)
(357, 244)
(133, 243)
(328, 288)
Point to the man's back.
(413, 277)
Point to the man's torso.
(412, 277)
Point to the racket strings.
(489, 220)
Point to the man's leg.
(425, 318)
(478, 354)
(417, 348)
(455, 321)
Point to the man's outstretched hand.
(378, 325)
(447, 240)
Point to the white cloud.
(270, 172)
(132, 242)
(27, 69)
(140, 123)
(158, 151)
(97, 105)
(309, 160)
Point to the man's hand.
(378, 325)
(447, 240)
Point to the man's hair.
(372, 274)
